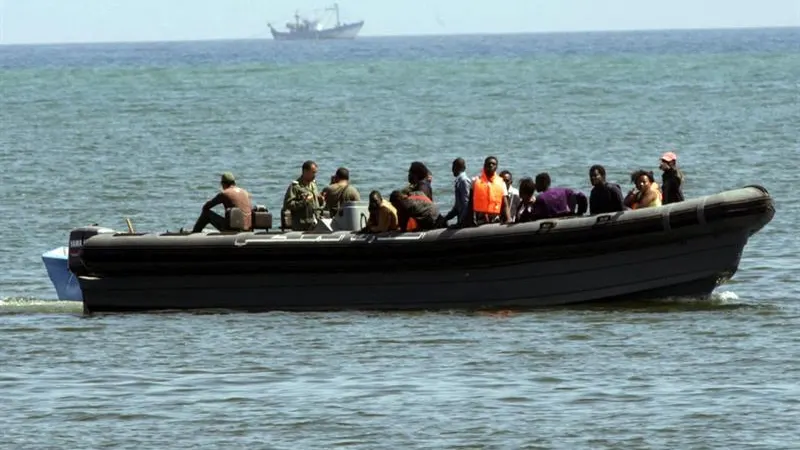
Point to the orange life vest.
(487, 195)
(411, 225)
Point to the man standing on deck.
(302, 199)
(512, 198)
(462, 188)
(671, 180)
(490, 195)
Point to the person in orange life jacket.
(489, 199)
(527, 189)
(230, 196)
(557, 202)
(419, 179)
(462, 187)
(513, 194)
(415, 211)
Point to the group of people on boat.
(489, 197)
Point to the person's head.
(490, 166)
(542, 181)
(642, 179)
(227, 180)
(342, 174)
(309, 171)
(507, 178)
(375, 200)
(417, 172)
(668, 161)
(396, 197)
(527, 188)
(459, 166)
(597, 175)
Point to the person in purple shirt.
(556, 202)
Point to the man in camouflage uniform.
(302, 199)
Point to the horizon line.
(266, 37)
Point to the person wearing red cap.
(672, 179)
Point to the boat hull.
(348, 31)
(693, 269)
(684, 249)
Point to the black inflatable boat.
(682, 249)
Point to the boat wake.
(27, 305)
(718, 300)
(724, 297)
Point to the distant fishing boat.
(313, 29)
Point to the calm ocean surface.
(97, 133)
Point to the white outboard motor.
(76, 239)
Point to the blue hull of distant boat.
(65, 282)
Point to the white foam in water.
(28, 305)
(724, 297)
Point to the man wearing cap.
(231, 196)
(672, 179)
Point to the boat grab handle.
(603, 219)
(546, 226)
(701, 212)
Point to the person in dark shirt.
(527, 189)
(605, 197)
(415, 205)
(419, 179)
(672, 179)
(557, 202)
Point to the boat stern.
(65, 282)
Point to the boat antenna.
(130, 225)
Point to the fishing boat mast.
(335, 8)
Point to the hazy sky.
(34, 21)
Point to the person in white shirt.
(513, 200)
